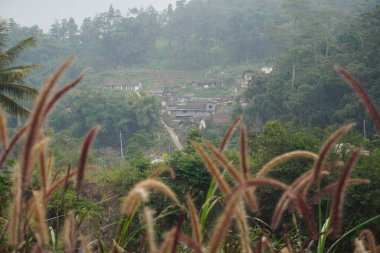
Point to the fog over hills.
(44, 12)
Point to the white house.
(266, 70)
(125, 86)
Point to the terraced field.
(150, 78)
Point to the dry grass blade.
(213, 170)
(243, 152)
(282, 203)
(66, 182)
(270, 182)
(168, 242)
(115, 248)
(85, 245)
(38, 249)
(39, 216)
(35, 124)
(50, 104)
(307, 183)
(57, 183)
(326, 147)
(69, 233)
(368, 235)
(229, 133)
(43, 172)
(359, 246)
(338, 200)
(132, 200)
(219, 232)
(158, 172)
(148, 219)
(196, 230)
(332, 187)
(83, 156)
(52, 80)
(177, 231)
(259, 246)
(236, 175)
(266, 244)
(288, 242)
(136, 193)
(220, 229)
(3, 130)
(302, 207)
(300, 183)
(284, 157)
(194, 246)
(39, 151)
(362, 94)
(307, 215)
(13, 142)
(15, 210)
(241, 216)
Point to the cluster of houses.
(123, 86)
(189, 107)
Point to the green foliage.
(115, 111)
(5, 186)
(303, 86)
(64, 148)
(138, 144)
(63, 201)
(362, 205)
(13, 89)
(191, 173)
(203, 34)
(277, 138)
(141, 163)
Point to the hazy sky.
(44, 12)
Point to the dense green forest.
(202, 34)
(302, 40)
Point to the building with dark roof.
(195, 108)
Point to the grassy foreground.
(27, 228)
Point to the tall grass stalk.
(356, 228)
(123, 238)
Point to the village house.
(125, 86)
(156, 93)
(267, 70)
(186, 98)
(205, 84)
(194, 108)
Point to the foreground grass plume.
(28, 229)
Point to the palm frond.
(3, 57)
(16, 73)
(18, 91)
(17, 49)
(3, 33)
(12, 107)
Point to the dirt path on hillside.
(173, 135)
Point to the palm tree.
(13, 88)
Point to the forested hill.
(301, 39)
(304, 86)
(196, 34)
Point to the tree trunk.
(293, 72)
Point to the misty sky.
(44, 12)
